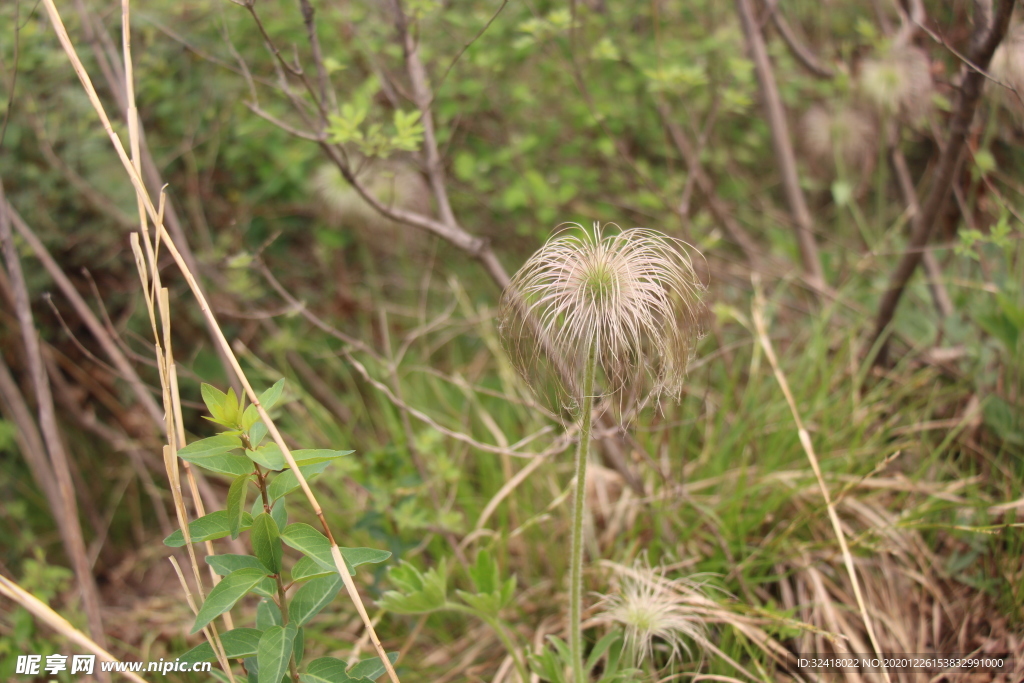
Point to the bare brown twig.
(984, 43)
(802, 53)
(66, 508)
(103, 337)
(783, 145)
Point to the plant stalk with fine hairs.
(621, 311)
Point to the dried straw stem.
(757, 313)
(58, 623)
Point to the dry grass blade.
(42, 611)
(757, 313)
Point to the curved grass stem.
(579, 500)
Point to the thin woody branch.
(984, 43)
(783, 145)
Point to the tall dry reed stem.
(43, 613)
(757, 313)
(148, 271)
(624, 309)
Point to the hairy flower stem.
(579, 500)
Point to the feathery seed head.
(651, 608)
(631, 298)
(1007, 66)
(840, 135)
(899, 82)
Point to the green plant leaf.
(315, 545)
(253, 669)
(213, 445)
(1007, 423)
(308, 568)
(485, 573)
(278, 511)
(275, 649)
(600, 648)
(238, 643)
(280, 514)
(312, 456)
(215, 401)
(266, 542)
(207, 528)
(485, 603)
(267, 614)
(326, 670)
(232, 408)
(250, 416)
(418, 592)
(226, 463)
(313, 597)
(267, 588)
(311, 543)
(371, 668)
(225, 594)
(236, 503)
(286, 482)
(213, 454)
(356, 556)
(1000, 326)
(299, 647)
(268, 456)
(268, 399)
(271, 457)
(227, 563)
(256, 434)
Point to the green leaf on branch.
(333, 670)
(371, 669)
(225, 594)
(280, 514)
(275, 649)
(204, 448)
(232, 465)
(267, 614)
(315, 545)
(267, 588)
(266, 542)
(215, 401)
(268, 399)
(225, 409)
(256, 433)
(308, 568)
(313, 597)
(236, 503)
(268, 457)
(286, 481)
(227, 563)
(326, 670)
(311, 543)
(238, 643)
(208, 528)
(278, 511)
(408, 131)
(271, 457)
(213, 454)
